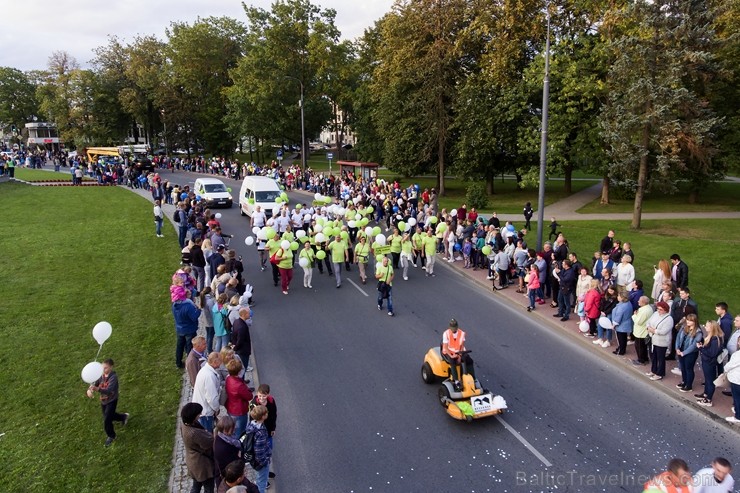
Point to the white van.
(213, 192)
(258, 190)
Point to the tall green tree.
(657, 120)
(416, 81)
(55, 92)
(17, 98)
(293, 45)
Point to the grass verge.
(709, 255)
(718, 197)
(38, 174)
(86, 255)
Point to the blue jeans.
(182, 233)
(221, 342)
(241, 424)
(603, 333)
(564, 304)
(261, 477)
(735, 388)
(390, 299)
(532, 293)
(686, 365)
(158, 224)
(207, 422)
(710, 373)
(184, 345)
(210, 331)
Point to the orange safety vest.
(667, 482)
(456, 341)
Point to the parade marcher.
(107, 387)
(339, 254)
(384, 274)
(406, 255)
(362, 254)
(284, 257)
(308, 254)
(429, 252)
(453, 343)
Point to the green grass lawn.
(86, 255)
(709, 255)
(38, 174)
(718, 197)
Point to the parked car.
(213, 192)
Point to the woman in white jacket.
(625, 273)
(732, 370)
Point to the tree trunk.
(567, 179)
(519, 180)
(441, 163)
(693, 196)
(641, 179)
(605, 189)
(489, 183)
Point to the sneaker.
(556, 315)
(285, 292)
(565, 319)
(680, 385)
(606, 344)
(109, 441)
(649, 374)
(529, 308)
(271, 475)
(685, 389)
(540, 302)
(415, 266)
(637, 362)
(262, 269)
(704, 402)
(125, 418)
(268, 485)
(700, 396)
(732, 419)
(310, 287)
(424, 267)
(405, 278)
(656, 377)
(676, 371)
(249, 368)
(489, 277)
(630, 343)
(597, 341)
(390, 314)
(380, 307)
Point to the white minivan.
(258, 190)
(213, 192)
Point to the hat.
(220, 247)
(453, 323)
(190, 412)
(663, 305)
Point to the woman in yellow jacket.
(406, 254)
(308, 254)
(284, 257)
(395, 243)
(362, 254)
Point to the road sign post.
(329, 156)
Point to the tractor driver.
(453, 342)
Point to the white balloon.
(275, 211)
(355, 200)
(369, 231)
(249, 240)
(318, 228)
(378, 266)
(352, 224)
(320, 238)
(583, 326)
(453, 212)
(300, 233)
(317, 196)
(261, 234)
(382, 196)
(340, 211)
(412, 221)
(358, 217)
(303, 262)
(399, 201)
(92, 372)
(407, 227)
(218, 215)
(255, 230)
(380, 239)
(102, 331)
(285, 244)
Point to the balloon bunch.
(94, 370)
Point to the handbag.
(273, 258)
(722, 358)
(721, 380)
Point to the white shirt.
(206, 390)
(158, 212)
(704, 482)
(258, 218)
(281, 222)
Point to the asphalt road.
(355, 416)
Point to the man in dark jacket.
(607, 243)
(241, 338)
(567, 276)
(679, 272)
(186, 327)
(216, 259)
(198, 444)
(198, 262)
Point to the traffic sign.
(280, 153)
(329, 156)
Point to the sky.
(33, 29)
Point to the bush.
(476, 196)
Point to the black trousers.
(641, 349)
(622, 340)
(396, 257)
(454, 364)
(109, 416)
(275, 273)
(417, 256)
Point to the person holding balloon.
(338, 250)
(406, 256)
(284, 257)
(305, 260)
(107, 387)
(362, 254)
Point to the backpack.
(227, 324)
(176, 217)
(248, 449)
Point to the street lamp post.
(543, 141)
(303, 123)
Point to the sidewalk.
(543, 314)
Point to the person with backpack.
(257, 447)
(221, 324)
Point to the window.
(267, 196)
(215, 187)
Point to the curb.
(618, 362)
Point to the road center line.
(358, 288)
(524, 442)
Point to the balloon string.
(99, 349)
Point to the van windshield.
(266, 196)
(215, 187)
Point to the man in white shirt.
(715, 479)
(281, 222)
(258, 218)
(207, 389)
